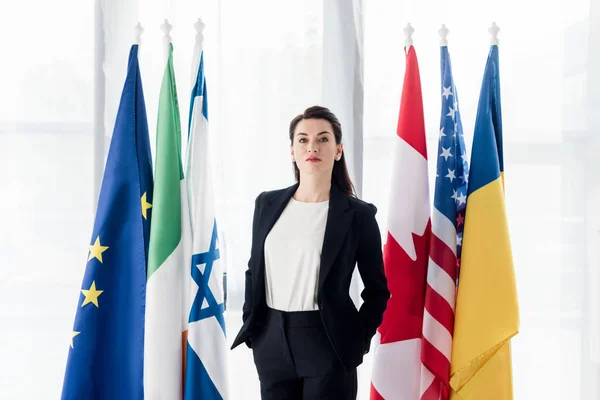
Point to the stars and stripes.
(444, 256)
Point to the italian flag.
(168, 253)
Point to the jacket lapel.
(270, 212)
(339, 218)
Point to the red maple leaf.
(403, 317)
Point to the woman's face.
(314, 147)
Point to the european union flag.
(106, 354)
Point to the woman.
(304, 330)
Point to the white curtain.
(46, 187)
(267, 61)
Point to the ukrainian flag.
(106, 353)
(487, 312)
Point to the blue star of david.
(214, 309)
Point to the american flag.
(448, 216)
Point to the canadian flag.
(397, 353)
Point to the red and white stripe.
(438, 319)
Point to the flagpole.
(138, 30)
(121, 234)
(443, 32)
(398, 343)
(408, 32)
(166, 29)
(493, 30)
(99, 100)
(199, 26)
(198, 47)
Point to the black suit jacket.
(351, 237)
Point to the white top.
(293, 256)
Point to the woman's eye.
(324, 139)
(302, 140)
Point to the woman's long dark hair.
(339, 176)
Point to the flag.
(206, 353)
(447, 223)
(106, 352)
(168, 253)
(397, 354)
(487, 314)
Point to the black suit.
(351, 236)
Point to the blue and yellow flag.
(106, 353)
(487, 312)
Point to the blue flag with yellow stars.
(106, 352)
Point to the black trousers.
(295, 360)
